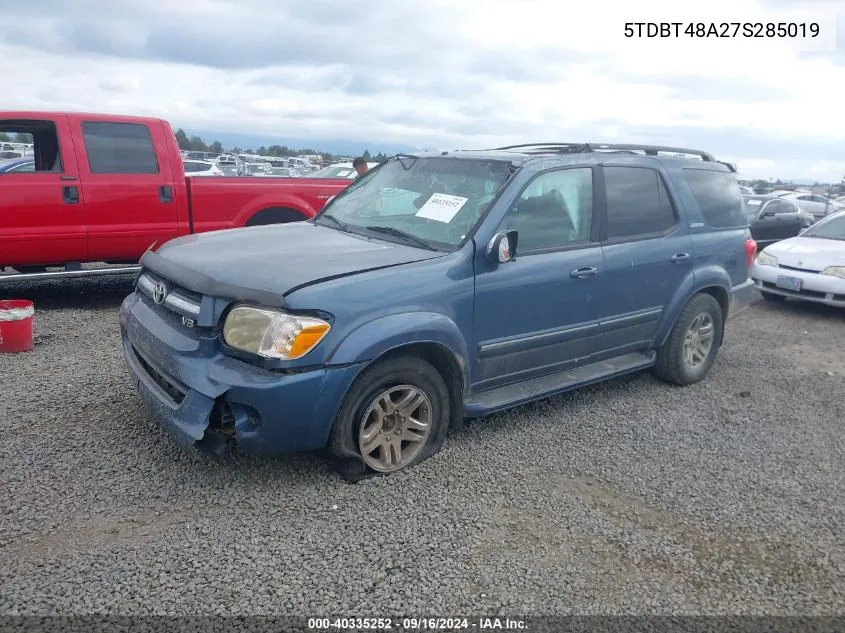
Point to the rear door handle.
(680, 257)
(586, 271)
(165, 193)
(70, 195)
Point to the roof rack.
(582, 148)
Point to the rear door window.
(637, 203)
(119, 148)
(718, 196)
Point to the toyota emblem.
(159, 293)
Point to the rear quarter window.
(718, 196)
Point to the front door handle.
(165, 193)
(70, 195)
(680, 257)
(586, 271)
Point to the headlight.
(273, 334)
(836, 271)
(764, 259)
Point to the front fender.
(389, 332)
(695, 281)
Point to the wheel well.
(275, 215)
(720, 295)
(445, 363)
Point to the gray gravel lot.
(727, 497)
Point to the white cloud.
(442, 73)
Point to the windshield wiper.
(343, 226)
(389, 230)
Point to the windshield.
(434, 200)
(832, 229)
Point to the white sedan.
(809, 267)
(201, 168)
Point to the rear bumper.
(201, 396)
(825, 289)
(741, 297)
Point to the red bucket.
(16, 321)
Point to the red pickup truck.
(105, 188)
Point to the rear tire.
(693, 343)
(402, 438)
(769, 296)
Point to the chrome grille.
(170, 296)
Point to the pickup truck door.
(128, 184)
(42, 213)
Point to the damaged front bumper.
(205, 399)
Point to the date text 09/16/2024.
(752, 30)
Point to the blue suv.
(440, 287)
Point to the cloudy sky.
(444, 73)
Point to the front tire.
(693, 343)
(395, 415)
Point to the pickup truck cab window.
(119, 148)
(554, 211)
(45, 141)
(426, 202)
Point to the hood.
(263, 263)
(810, 253)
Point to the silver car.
(817, 205)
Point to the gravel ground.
(727, 497)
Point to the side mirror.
(502, 247)
(767, 214)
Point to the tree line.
(196, 144)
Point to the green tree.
(216, 147)
(366, 155)
(182, 139)
(5, 137)
(197, 144)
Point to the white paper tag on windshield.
(755, 203)
(441, 207)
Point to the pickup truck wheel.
(275, 216)
(693, 343)
(395, 415)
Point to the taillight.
(750, 251)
